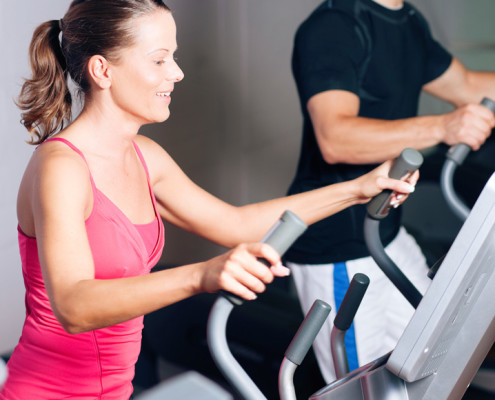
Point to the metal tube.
(339, 353)
(286, 380)
(219, 349)
(375, 246)
(447, 185)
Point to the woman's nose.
(177, 74)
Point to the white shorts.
(384, 312)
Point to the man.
(360, 66)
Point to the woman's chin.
(158, 118)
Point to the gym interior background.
(235, 126)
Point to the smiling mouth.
(164, 94)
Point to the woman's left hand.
(377, 180)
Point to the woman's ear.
(99, 71)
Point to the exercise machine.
(452, 329)
(447, 338)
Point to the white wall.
(235, 125)
(17, 22)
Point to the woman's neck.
(102, 132)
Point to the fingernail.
(252, 296)
(412, 188)
(400, 196)
(281, 269)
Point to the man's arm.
(343, 137)
(461, 86)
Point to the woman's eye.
(159, 62)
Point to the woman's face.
(144, 76)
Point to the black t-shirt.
(387, 72)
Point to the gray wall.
(235, 124)
(235, 118)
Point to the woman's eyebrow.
(163, 49)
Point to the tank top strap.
(65, 141)
(141, 157)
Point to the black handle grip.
(281, 236)
(459, 152)
(408, 161)
(351, 301)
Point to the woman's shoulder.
(151, 150)
(158, 161)
(56, 168)
(58, 157)
(147, 144)
(56, 178)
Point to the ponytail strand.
(45, 99)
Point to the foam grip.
(488, 103)
(351, 302)
(281, 236)
(306, 334)
(459, 152)
(285, 232)
(408, 161)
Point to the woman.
(93, 195)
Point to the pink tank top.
(49, 363)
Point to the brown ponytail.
(45, 99)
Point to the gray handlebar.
(455, 157)
(288, 228)
(352, 299)
(459, 152)
(488, 103)
(299, 347)
(306, 334)
(345, 315)
(386, 264)
(408, 161)
(285, 232)
(281, 236)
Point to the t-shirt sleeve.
(328, 53)
(439, 59)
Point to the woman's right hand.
(239, 271)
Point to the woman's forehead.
(156, 31)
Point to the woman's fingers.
(378, 180)
(248, 268)
(402, 188)
(399, 186)
(280, 270)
